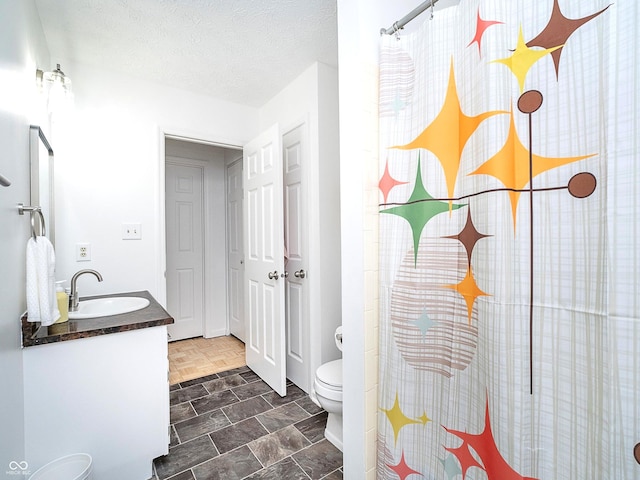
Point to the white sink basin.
(102, 307)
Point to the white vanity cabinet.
(105, 395)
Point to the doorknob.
(285, 274)
(273, 275)
(300, 274)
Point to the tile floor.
(231, 425)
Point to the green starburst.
(419, 209)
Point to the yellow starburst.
(523, 58)
(398, 419)
(423, 418)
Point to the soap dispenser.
(63, 302)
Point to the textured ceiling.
(243, 51)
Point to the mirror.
(42, 192)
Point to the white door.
(264, 261)
(235, 258)
(185, 255)
(295, 266)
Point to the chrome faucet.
(73, 297)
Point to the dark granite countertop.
(152, 316)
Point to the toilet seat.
(328, 381)
(330, 373)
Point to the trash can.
(71, 467)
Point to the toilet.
(327, 393)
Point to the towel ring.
(32, 211)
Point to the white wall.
(326, 207)
(110, 170)
(22, 50)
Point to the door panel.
(298, 369)
(270, 300)
(185, 253)
(185, 287)
(267, 208)
(235, 249)
(254, 327)
(295, 343)
(264, 262)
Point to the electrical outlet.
(83, 252)
(131, 231)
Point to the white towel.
(42, 305)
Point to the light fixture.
(55, 79)
(57, 87)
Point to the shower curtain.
(509, 216)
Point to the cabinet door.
(264, 258)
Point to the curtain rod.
(407, 18)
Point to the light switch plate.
(132, 231)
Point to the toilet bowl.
(327, 393)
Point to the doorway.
(230, 295)
(196, 236)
